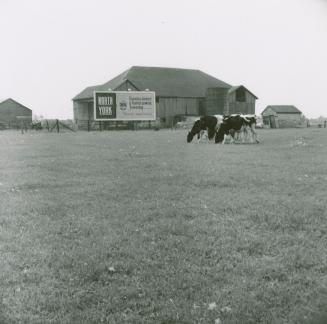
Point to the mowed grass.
(141, 227)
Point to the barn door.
(272, 121)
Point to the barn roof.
(3, 100)
(16, 102)
(234, 88)
(166, 82)
(284, 109)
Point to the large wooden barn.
(13, 114)
(282, 116)
(179, 93)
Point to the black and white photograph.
(163, 162)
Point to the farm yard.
(141, 227)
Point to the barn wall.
(9, 110)
(83, 112)
(241, 108)
(169, 108)
(216, 101)
(269, 112)
(289, 120)
(237, 107)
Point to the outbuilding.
(14, 115)
(179, 93)
(282, 116)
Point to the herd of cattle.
(236, 127)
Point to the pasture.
(141, 227)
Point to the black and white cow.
(237, 125)
(210, 124)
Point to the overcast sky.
(52, 50)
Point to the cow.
(36, 125)
(205, 123)
(236, 124)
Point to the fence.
(55, 125)
(322, 124)
(91, 125)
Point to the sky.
(52, 50)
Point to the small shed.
(282, 116)
(13, 114)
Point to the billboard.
(124, 105)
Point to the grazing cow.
(237, 124)
(205, 123)
(196, 130)
(36, 125)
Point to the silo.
(217, 101)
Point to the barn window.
(240, 95)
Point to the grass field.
(140, 227)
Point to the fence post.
(57, 124)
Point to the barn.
(282, 116)
(14, 115)
(179, 93)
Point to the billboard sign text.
(124, 105)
